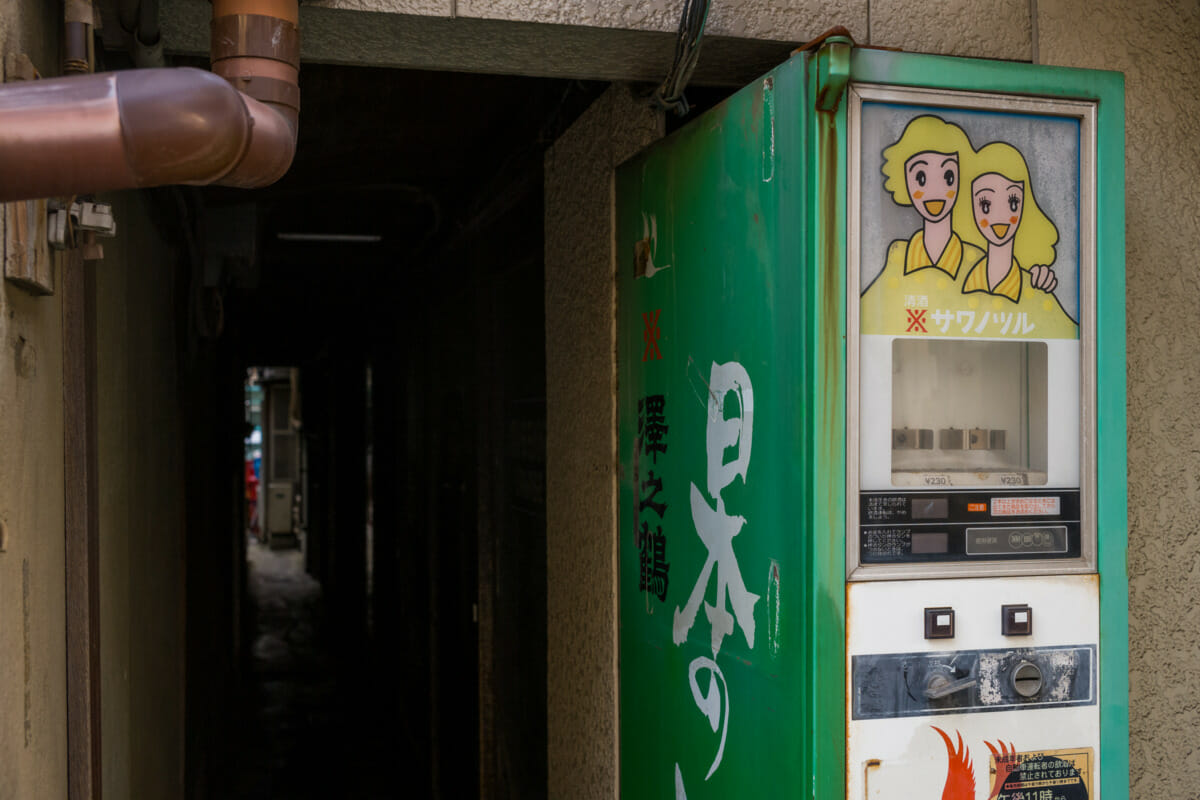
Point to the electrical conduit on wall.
(234, 126)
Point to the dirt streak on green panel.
(713, 294)
(827, 258)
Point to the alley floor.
(308, 729)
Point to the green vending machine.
(872, 437)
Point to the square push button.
(939, 623)
(1016, 620)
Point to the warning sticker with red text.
(1044, 775)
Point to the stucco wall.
(581, 460)
(977, 28)
(1157, 46)
(33, 752)
(141, 509)
(32, 600)
(141, 560)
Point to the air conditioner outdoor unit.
(279, 506)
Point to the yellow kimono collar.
(1010, 286)
(917, 257)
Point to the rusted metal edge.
(837, 30)
(833, 71)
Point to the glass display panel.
(972, 411)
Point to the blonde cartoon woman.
(922, 171)
(1018, 239)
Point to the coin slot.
(1027, 679)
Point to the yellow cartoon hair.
(1036, 234)
(923, 134)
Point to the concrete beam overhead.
(574, 41)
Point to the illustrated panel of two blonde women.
(987, 253)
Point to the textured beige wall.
(141, 556)
(977, 28)
(32, 605)
(1157, 46)
(141, 508)
(32, 600)
(33, 752)
(581, 459)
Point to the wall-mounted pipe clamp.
(65, 223)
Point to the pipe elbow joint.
(270, 150)
(193, 127)
(181, 125)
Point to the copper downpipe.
(256, 47)
(234, 126)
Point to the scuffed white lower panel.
(903, 756)
(913, 760)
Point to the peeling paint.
(774, 607)
(768, 130)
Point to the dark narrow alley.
(300, 734)
(404, 634)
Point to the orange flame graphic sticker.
(960, 776)
(960, 773)
(1006, 762)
